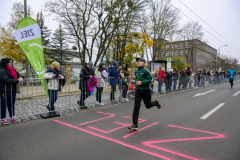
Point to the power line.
(194, 21)
(208, 25)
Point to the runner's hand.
(139, 83)
(134, 89)
(20, 79)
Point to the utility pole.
(26, 59)
(219, 54)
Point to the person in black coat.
(85, 74)
(8, 88)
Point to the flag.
(28, 35)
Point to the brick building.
(195, 52)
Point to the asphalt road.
(176, 131)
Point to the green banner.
(28, 35)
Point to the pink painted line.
(149, 143)
(113, 140)
(111, 115)
(123, 125)
(107, 131)
(139, 130)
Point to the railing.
(31, 99)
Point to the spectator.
(191, 79)
(166, 80)
(198, 77)
(182, 80)
(204, 74)
(114, 80)
(101, 74)
(53, 76)
(119, 69)
(175, 78)
(160, 79)
(125, 82)
(85, 74)
(170, 80)
(188, 73)
(8, 89)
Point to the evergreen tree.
(59, 47)
(45, 32)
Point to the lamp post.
(219, 54)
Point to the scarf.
(13, 72)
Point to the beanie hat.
(101, 64)
(90, 63)
(115, 63)
(4, 62)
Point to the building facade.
(194, 52)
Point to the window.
(172, 45)
(186, 43)
(162, 54)
(176, 53)
(167, 46)
(176, 45)
(172, 53)
(167, 53)
(181, 45)
(186, 52)
(181, 52)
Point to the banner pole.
(27, 61)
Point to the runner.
(143, 79)
(231, 72)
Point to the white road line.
(236, 93)
(212, 111)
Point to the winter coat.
(85, 76)
(125, 79)
(53, 83)
(7, 83)
(100, 77)
(167, 78)
(113, 76)
(161, 75)
(175, 75)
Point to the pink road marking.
(123, 125)
(139, 130)
(113, 140)
(149, 143)
(111, 115)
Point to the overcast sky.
(222, 15)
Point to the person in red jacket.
(160, 79)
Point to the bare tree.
(93, 23)
(164, 24)
(192, 34)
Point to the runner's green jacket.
(145, 76)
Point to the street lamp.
(219, 54)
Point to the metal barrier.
(27, 100)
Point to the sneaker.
(100, 104)
(133, 127)
(14, 119)
(158, 105)
(84, 107)
(4, 121)
(48, 107)
(54, 112)
(127, 100)
(114, 101)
